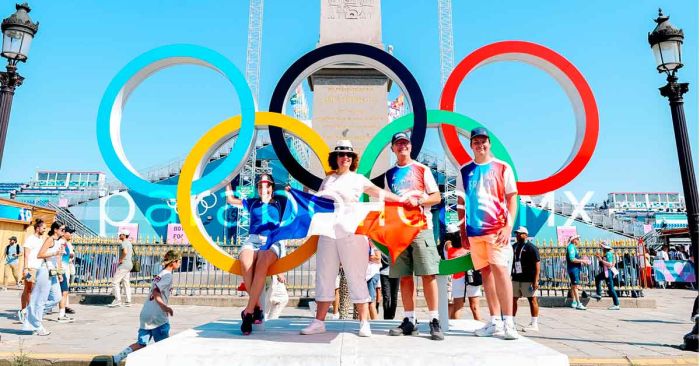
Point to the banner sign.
(674, 271)
(564, 233)
(15, 213)
(176, 235)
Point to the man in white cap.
(122, 275)
(526, 275)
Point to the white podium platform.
(221, 343)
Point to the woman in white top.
(44, 281)
(344, 186)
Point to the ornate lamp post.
(17, 34)
(665, 41)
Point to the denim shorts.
(372, 287)
(256, 242)
(64, 283)
(157, 334)
(574, 275)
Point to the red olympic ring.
(569, 78)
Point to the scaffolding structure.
(447, 61)
(246, 178)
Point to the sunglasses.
(346, 154)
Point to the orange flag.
(395, 227)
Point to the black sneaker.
(247, 324)
(406, 328)
(258, 315)
(69, 310)
(435, 331)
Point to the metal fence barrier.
(96, 262)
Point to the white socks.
(533, 320)
(434, 315)
(411, 315)
(61, 312)
(121, 355)
(508, 319)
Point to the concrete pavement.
(595, 336)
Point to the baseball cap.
(479, 131)
(399, 136)
(124, 232)
(13, 238)
(522, 230)
(605, 244)
(265, 178)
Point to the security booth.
(15, 220)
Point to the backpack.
(136, 262)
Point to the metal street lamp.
(17, 34)
(665, 41)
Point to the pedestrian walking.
(30, 265)
(574, 264)
(411, 179)
(154, 322)
(44, 279)
(11, 268)
(526, 275)
(122, 275)
(607, 274)
(488, 213)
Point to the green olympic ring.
(435, 119)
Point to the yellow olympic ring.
(199, 157)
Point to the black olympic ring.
(324, 53)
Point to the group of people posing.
(490, 204)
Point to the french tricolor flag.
(391, 224)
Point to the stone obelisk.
(350, 99)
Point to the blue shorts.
(157, 334)
(64, 283)
(372, 287)
(574, 275)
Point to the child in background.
(154, 322)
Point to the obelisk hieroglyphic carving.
(350, 99)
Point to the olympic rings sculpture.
(191, 183)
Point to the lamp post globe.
(18, 31)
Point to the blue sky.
(81, 45)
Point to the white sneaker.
(510, 332)
(335, 316)
(580, 307)
(41, 332)
(316, 327)
(115, 304)
(365, 330)
(574, 304)
(65, 319)
(119, 357)
(490, 330)
(21, 315)
(614, 307)
(532, 328)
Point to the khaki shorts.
(420, 258)
(484, 252)
(523, 289)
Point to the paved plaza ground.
(595, 336)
